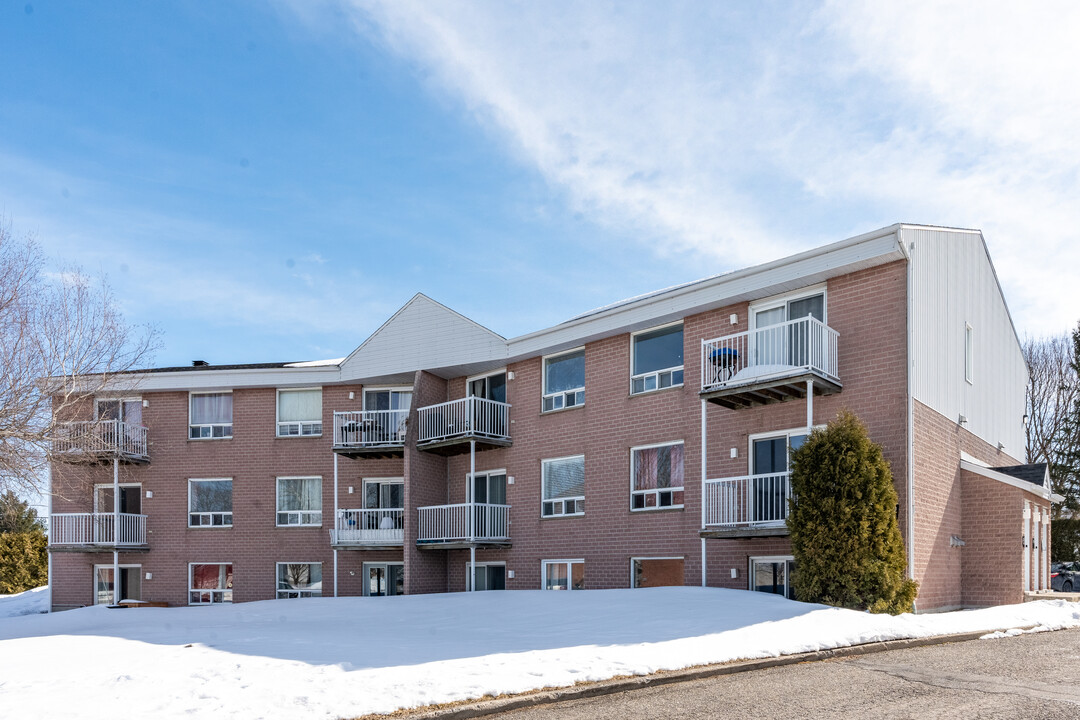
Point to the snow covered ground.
(25, 603)
(327, 658)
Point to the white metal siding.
(954, 284)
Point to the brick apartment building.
(642, 443)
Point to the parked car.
(1065, 577)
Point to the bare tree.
(1052, 393)
(62, 341)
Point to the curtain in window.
(564, 478)
(299, 495)
(211, 496)
(212, 409)
(659, 467)
(211, 577)
(300, 405)
(566, 372)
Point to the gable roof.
(1037, 473)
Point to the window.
(130, 584)
(770, 485)
(299, 412)
(778, 340)
(384, 579)
(969, 354)
(299, 580)
(657, 359)
(656, 477)
(772, 575)
(210, 416)
(210, 583)
(299, 501)
(487, 576)
(210, 503)
(385, 414)
(563, 481)
(126, 410)
(490, 387)
(564, 381)
(656, 572)
(388, 493)
(488, 487)
(130, 498)
(563, 574)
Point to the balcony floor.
(771, 390)
(94, 457)
(370, 451)
(462, 544)
(98, 548)
(364, 546)
(460, 445)
(746, 532)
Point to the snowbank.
(327, 658)
(30, 602)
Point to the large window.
(656, 477)
(384, 579)
(299, 412)
(487, 576)
(772, 575)
(489, 387)
(563, 481)
(657, 572)
(105, 588)
(210, 415)
(210, 583)
(126, 410)
(657, 359)
(770, 484)
(299, 580)
(778, 339)
(299, 501)
(563, 574)
(210, 502)
(386, 493)
(564, 380)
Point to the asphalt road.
(1028, 676)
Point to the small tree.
(844, 534)
(16, 515)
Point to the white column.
(472, 516)
(335, 530)
(1040, 576)
(704, 476)
(1026, 545)
(809, 404)
(1046, 544)
(116, 531)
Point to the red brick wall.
(425, 473)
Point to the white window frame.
(110, 566)
(364, 567)
(768, 559)
(364, 482)
(313, 427)
(569, 563)
(562, 502)
(100, 399)
(787, 433)
(635, 558)
(106, 511)
(223, 514)
(775, 301)
(485, 375)
(305, 518)
(291, 594)
(212, 425)
(383, 388)
(672, 490)
(217, 597)
(490, 563)
(969, 354)
(558, 399)
(657, 373)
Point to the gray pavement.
(1028, 676)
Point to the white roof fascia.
(234, 378)
(971, 465)
(802, 269)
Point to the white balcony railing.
(97, 529)
(370, 428)
(98, 437)
(470, 416)
(457, 523)
(769, 352)
(380, 526)
(749, 501)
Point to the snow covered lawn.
(327, 658)
(25, 603)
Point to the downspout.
(472, 509)
(704, 475)
(336, 528)
(49, 570)
(116, 531)
(909, 366)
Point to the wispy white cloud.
(736, 134)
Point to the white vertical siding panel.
(954, 284)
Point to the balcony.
(464, 525)
(370, 433)
(97, 531)
(101, 440)
(449, 427)
(770, 364)
(370, 528)
(747, 506)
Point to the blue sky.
(271, 181)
